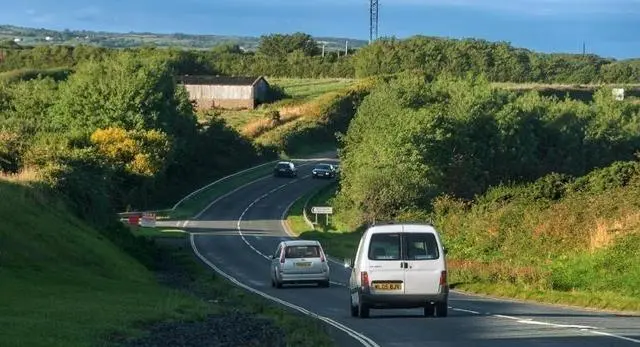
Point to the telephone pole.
(373, 20)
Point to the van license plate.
(303, 264)
(387, 286)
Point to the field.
(299, 90)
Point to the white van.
(399, 266)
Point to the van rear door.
(425, 262)
(385, 270)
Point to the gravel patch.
(228, 328)
(233, 329)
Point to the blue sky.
(610, 28)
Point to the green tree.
(279, 45)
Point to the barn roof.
(220, 80)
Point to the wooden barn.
(228, 92)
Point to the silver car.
(299, 261)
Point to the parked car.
(299, 261)
(399, 266)
(323, 171)
(285, 169)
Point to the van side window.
(421, 246)
(384, 247)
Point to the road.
(236, 234)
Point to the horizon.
(610, 29)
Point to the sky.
(609, 28)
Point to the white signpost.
(325, 210)
(618, 93)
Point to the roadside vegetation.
(561, 229)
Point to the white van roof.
(402, 228)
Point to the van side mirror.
(445, 250)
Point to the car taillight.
(364, 279)
(443, 278)
(322, 258)
(282, 255)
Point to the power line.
(373, 20)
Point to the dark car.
(323, 171)
(285, 169)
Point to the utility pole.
(584, 48)
(346, 48)
(373, 20)
(323, 49)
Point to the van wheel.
(363, 309)
(441, 309)
(324, 284)
(353, 309)
(429, 310)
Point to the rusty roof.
(220, 80)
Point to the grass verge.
(196, 203)
(338, 244)
(64, 284)
(506, 279)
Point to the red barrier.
(134, 220)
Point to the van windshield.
(384, 247)
(421, 246)
(295, 252)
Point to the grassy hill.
(64, 284)
(33, 36)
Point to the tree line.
(415, 138)
(298, 55)
(117, 133)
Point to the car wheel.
(429, 310)
(324, 284)
(353, 309)
(363, 309)
(273, 284)
(278, 284)
(441, 309)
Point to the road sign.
(322, 210)
(618, 93)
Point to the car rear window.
(384, 247)
(283, 166)
(421, 246)
(323, 167)
(295, 252)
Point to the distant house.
(226, 91)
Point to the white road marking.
(365, 341)
(568, 326)
(615, 336)
(463, 310)
(585, 328)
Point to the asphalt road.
(237, 233)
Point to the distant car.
(399, 266)
(299, 261)
(285, 169)
(323, 171)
